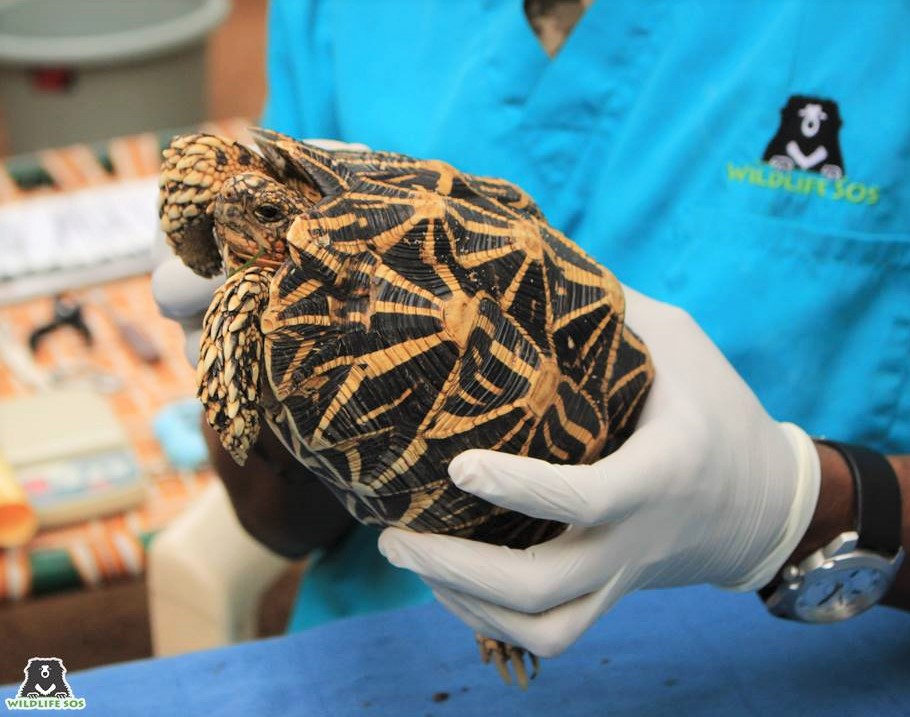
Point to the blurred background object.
(235, 66)
(18, 521)
(179, 62)
(62, 239)
(83, 216)
(71, 455)
(80, 589)
(85, 70)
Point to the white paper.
(87, 228)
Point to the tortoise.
(382, 314)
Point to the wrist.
(835, 511)
(899, 595)
(799, 509)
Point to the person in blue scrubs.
(644, 139)
(747, 162)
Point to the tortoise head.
(194, 169)
(252, 214)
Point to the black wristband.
(878, 497)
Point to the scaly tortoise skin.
(384, 314)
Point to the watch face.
(839, 593)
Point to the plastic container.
(83, 70)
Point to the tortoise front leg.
(231, 360)
(502, 654)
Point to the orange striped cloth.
(112, 548)
(81, 165)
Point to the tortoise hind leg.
(502, 655)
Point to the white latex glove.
(184, 296)
(708, 489)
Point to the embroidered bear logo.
(45, 677)
(808, 138)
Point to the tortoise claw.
(503, 655)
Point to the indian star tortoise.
(383, 314)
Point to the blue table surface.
(697, 651)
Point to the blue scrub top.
(748, 161)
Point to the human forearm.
(277, 500)
(835, 513)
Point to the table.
(697, 651)
(103, 551)
(42, 600)
(92, 553)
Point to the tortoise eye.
(269, 212)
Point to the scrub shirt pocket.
(817, 320)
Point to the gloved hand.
(184, 296)
(708, 489)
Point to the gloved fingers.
(638, 306)
(180, 293)
(465, 612)
(184, 297)
(335, 145)
(530, 581)
(531, 486)
(192, 340)
(607, 491)
(545, 634)
(675, 340)
(645, 315)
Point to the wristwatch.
(855, 570)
